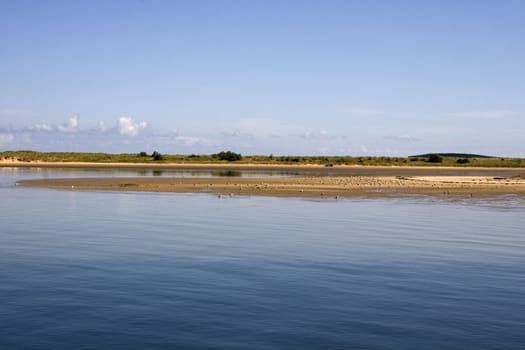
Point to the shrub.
(143, 154)
(462, 161)
(156, 156)
(228, 156)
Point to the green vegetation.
(228, 156)
(435, 158)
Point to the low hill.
(452, 155)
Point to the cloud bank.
(262, 136)
(68, 136)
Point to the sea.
(129, 270)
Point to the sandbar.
(302, 186)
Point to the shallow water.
(91, 270)
(9, 175)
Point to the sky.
(360, 78)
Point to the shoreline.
(321, 169)
(302, 187)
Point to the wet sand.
(310, 187)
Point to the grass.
(32, 156)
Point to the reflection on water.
(9, 175)
(227, 173)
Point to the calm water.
(103, 270)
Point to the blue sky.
(259, 77)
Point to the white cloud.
(6, 138)
(497, 114)
(128, 127)
(70, 126)
(361, 111)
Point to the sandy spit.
(311, 187)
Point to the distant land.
(30, 158)
(453, 155)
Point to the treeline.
(233, 157)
